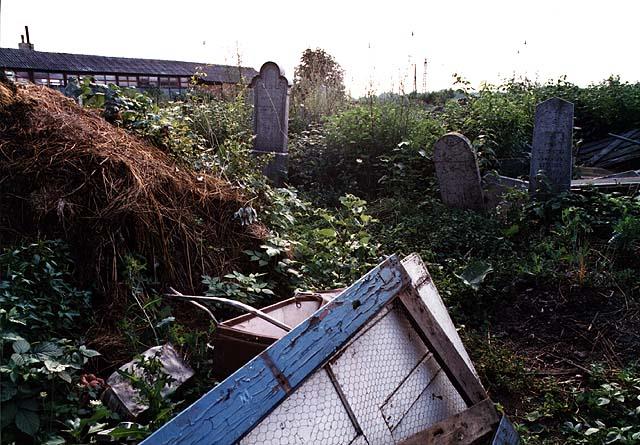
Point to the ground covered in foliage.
(546, 292)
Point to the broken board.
(380, 364)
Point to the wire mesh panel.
(313, 414)
(436, 402)
(381, 388)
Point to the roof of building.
(16, 59)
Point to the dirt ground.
(559, 333)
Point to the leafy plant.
(149, 378)
(39, 369)
(237, 286)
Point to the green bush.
(41, 315)
(358, 149)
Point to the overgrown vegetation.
(541, 288)
(41, 354)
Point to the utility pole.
(424, 77)
(415, 78)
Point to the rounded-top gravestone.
(458, 173)
(271, 109)
(271, 118)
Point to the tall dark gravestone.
(552, 143)
(458, 173)
(271, 118)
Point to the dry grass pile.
(67, 173)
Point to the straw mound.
(67, 173)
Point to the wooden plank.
(605, 151)
(230, 410)
(421, 280)
(621, 156)
(623, 138)
(443, 349)
(586, 151)
(605, 182)
(461, 429)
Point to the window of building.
(148, 81)
(41, 78)
(104, 79)
(22, 77)
(56, 79)
(128, 81)
(18, 76)
(185, 82)
(170, 82)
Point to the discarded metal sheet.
(123, 398)
(240, 339)
(379, 364)
(505, 434)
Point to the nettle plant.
(39, 363)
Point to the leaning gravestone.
(552, 143)
(271, 118)
(458, 173)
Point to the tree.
(318, 86)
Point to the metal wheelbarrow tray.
(240, 339)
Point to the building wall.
(169, 85)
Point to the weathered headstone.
(552, 143)
(495, 186)
(458, 173)
(271, 117)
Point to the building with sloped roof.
(169, 76)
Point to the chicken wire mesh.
(381, 388)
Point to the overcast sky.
(375, 42)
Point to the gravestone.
(552, 143)
(271, 118)
(458, 173)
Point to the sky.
(375, 42)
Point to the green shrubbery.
(358, 149)
(363, 150)
(42, 317)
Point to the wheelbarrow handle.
(233, 303)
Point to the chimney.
(26, 45)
